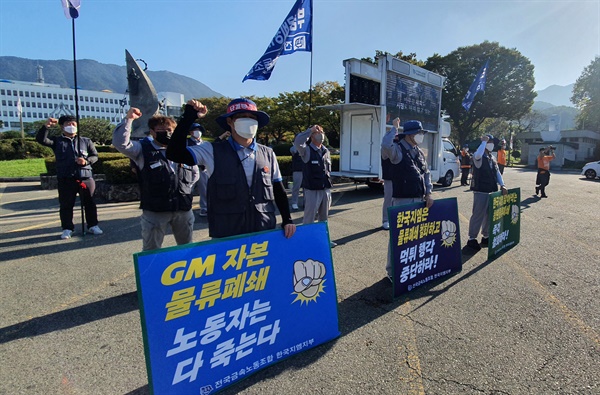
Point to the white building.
(39, 101)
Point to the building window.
(45, 105)
(35, 114)
(10, 113)
(37, 94)
(3, 102)
(20, 93)
(43, 95)
(26, 94)
(70, 97)
(8, 93)
(54, 96)
(2, 92)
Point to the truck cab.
(375, 94)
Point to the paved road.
(525, 323)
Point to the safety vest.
(316, 173)
(484, 177)
(235, 208)
(408, 178)
(161, 188)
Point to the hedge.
(117, 168)
(11, 149)
(98, 167)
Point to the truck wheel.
(590, 174)
(448, 178)
(376, 186)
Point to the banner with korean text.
(505, 221)
(215, 312)
(425, 243)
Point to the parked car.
(591, 170)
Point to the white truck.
(375, 95)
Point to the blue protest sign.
(425, 243)
(215, 312)
(504, 221)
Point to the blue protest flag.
(294, 34)
(477, 85)
(71, 8)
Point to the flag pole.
(77, 120)
(310, 90)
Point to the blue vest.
(316, 173)
(408, 177)
(66, 150)
(484, 178)
(235, 208)
(163, 190)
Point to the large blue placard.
(215, 312)
(425, 243)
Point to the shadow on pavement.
(70, 318)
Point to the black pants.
(465, 176)
(542, 179)
(68, 188)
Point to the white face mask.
(318, 138)
(197, 134)
(246, 127)
(419, 138)
(489, 147)
(70, 129)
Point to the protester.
(387, 169)
(502, 157)
(195, 138)
(316, 174)
(486, 177)
(544, 158)
(297, 167)
(75, 156)
(165, 186)
(245, 183)
(411, 179)
(465, 164)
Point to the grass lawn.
(22, 167)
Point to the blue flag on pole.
(71, 8)
(294, 34)
(477, 85)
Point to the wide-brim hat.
(412, 127)
(237, 106)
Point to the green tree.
(98, 130)
(586, 96)
(410, 58)
(508, 92)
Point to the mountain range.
(92, 75)
(555, 95)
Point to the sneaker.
(66, 234)
(484, 242)
(295, 206)
(332, 244)
(203, 213)
(95, 230)
(544, 195)
(386, 225)
(473, 244)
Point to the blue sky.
(217, 41)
